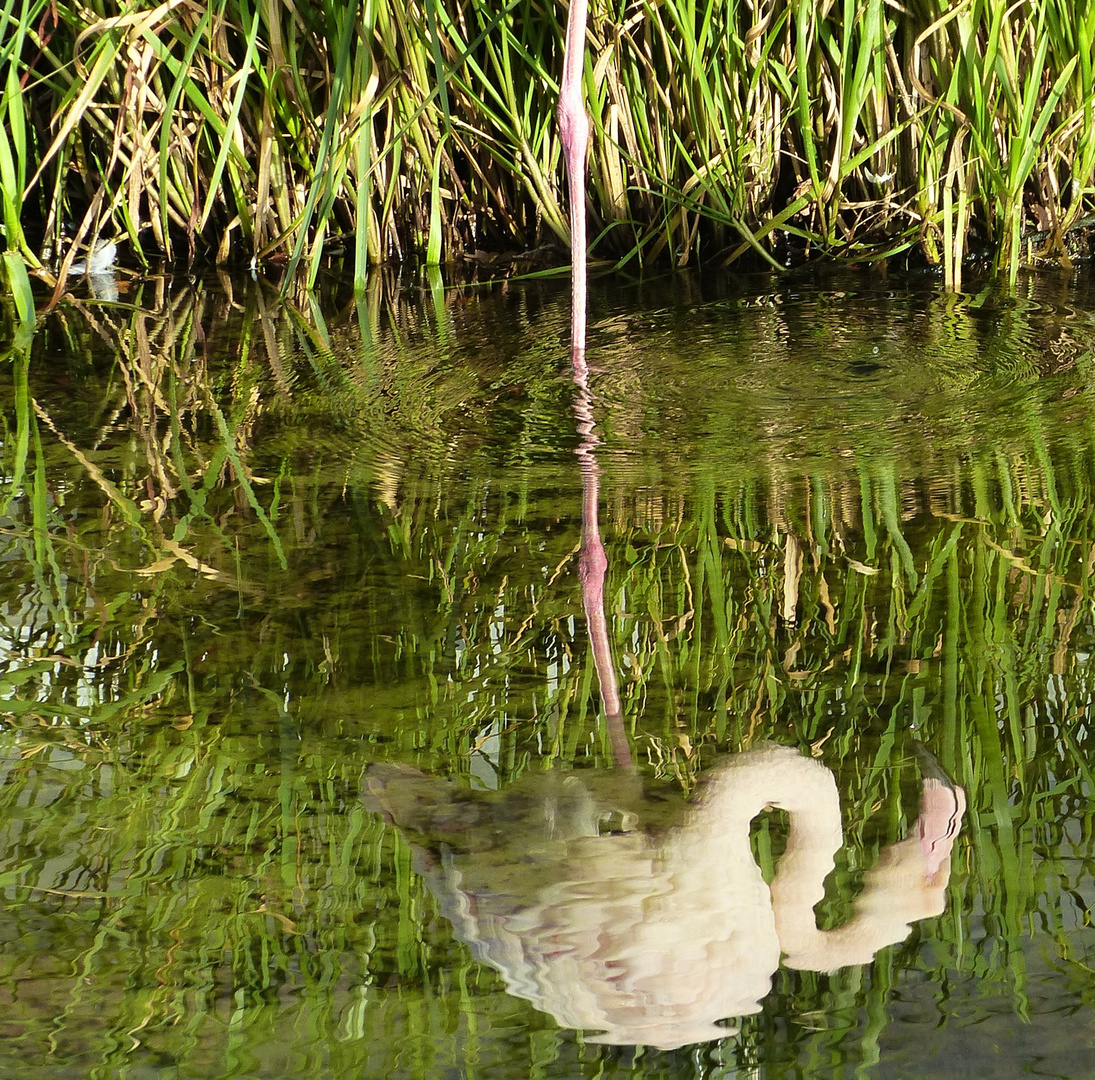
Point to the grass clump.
(276, 131)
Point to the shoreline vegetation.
(282, 134)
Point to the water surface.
(256, 554)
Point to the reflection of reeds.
(151, 679)
(283, 131)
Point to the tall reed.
(279, 131)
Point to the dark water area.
(376, 700)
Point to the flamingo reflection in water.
(650, 923)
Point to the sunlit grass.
(280, 133)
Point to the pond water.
(377, 700)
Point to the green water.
(255, 554)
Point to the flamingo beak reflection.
(649, 922)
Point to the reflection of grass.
(187, 722)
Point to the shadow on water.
(259, 559)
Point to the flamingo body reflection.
(650, 924)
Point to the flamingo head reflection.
(650, 922)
